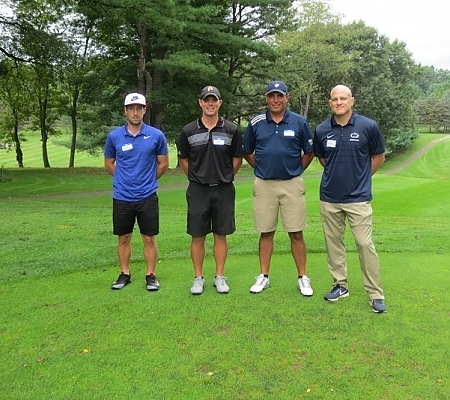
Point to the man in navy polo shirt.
(278, 145)
(350, 148)
(136, 155)
(210, 153)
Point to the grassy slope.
(58, 155)
(65, 334)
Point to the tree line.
(76, 60)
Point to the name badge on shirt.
(331, 143)
(218, 141)
(289, 132)
(127, 147)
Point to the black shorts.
(210, 209)
(145, 211)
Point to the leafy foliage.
(79, 59)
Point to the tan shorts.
(287, 196)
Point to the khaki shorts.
(287, 196)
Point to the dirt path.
(415, 156)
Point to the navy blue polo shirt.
(278, 147)
(136, 161)
(348, 151)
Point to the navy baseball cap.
(277, 86)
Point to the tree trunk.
(143, 76)
(16, 140)
(73, 115)
(44, 136)
(158, 83)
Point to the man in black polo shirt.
(210, 153)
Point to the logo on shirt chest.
(354, 137)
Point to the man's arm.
(322, 161)
(250, 158)
(184, 164)
(377, 162)
(306, 159)
(110, 165)
(237, 162)
(163, 163)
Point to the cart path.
(415, 156)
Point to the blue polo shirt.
(278, 148)
(136, 161)
(348, 152)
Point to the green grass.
(58, 155)
(70, 336)
(419, 143)
(66, 335)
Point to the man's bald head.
(341, 103)
(341, 88)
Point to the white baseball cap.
(135, 98)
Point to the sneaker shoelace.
(220, 280)
(198, 281)
(260, 280)
(306, 282)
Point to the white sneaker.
(197, 287)
(221, 285)
(304, 284)
(260, 284)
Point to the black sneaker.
(152, 283)
(122, 281)
(336, 293)
(377, 305)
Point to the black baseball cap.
(210, 91)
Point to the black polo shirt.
(210, 152)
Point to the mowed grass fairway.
(58, 155)
(66, 335)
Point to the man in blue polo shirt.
(136, 155)
(350, 148)
(278, 145)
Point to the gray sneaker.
(197, 287)
(378, 305)
(336, 293)
(121, 281)
(152, 283)
(221, 285)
